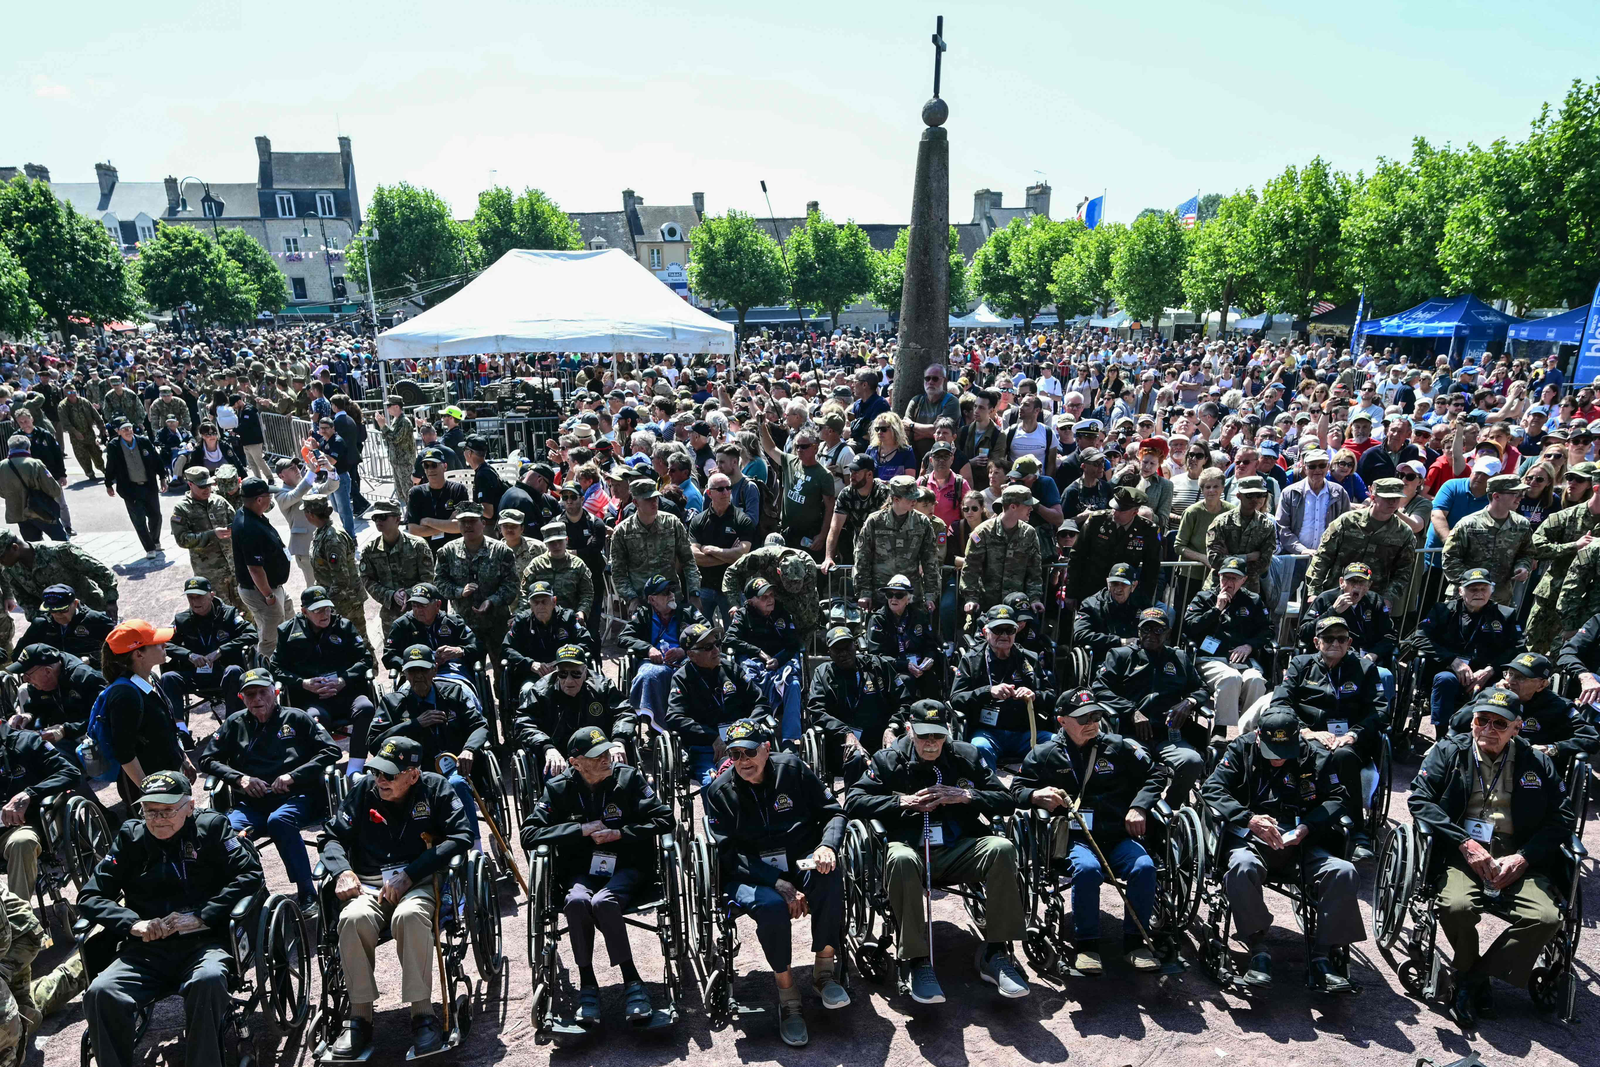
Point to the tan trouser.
(256, 457)
(22, 846)
(267, 617)
(1232, 687)
(361, 922)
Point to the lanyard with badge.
(1339, 725)
(776, 857)
(600, 862)
(1085, 815)
(1481, 829)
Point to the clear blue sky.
(1151, 100)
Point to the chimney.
(172, 194)
(980, 205)
(107, 175)
(264, 169)
(36, 172)
(811, 205)
(1039, 199)
(347, 165)
(627, 200)
(700, 204)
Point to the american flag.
(1322, 307)
(1189, 212)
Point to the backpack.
(771, 503)
(94, 751)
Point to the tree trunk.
(738, 340)
(1227, 303)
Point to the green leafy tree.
(1081, 279)
(420, 249)
(1396, 225)
(259, 268)
(1296, 231)
(1529, 230)
(19, 315)
(733, 262)
(1209, 205)
(1015, 269)
(73, 268)
(181, 265)
(1147, 270)
(1148, 211)
(1222, 265)
(889, 275)
(831, 266)
(505, 221)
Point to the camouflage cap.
(1255, 485)
(553, 531)
(468, 510)
(1026, 466)
(383, 509)
(1506, 483)
(509, 517)
(644, 489)
(1585, 470)
(1017, 495)
(1390, 488)
(197, 475)
(903, 485)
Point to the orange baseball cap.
(136, 633)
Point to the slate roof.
(611, 225)
(127, 199)
(307, 170)
(652, 217)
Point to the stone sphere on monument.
(935, 112)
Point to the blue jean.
(702, 764)
(341, 501)
(650, 689)
(463, 790)
(994, 745)
(1444, 699)
(283, 824)
(713, 605)
(1129, 862)
(1386, 681)
(825, 898)
(949, 602)
(781, 685)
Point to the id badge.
(778, 859)
(1480, 830)
(1088, 817)
(203, 670)
(989, 716)
(1210, 645)
(855, 734)
(936, 835)
(603, 863)
(1338, 727)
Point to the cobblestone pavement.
(1116, 1019)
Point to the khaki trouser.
(22, 847)
(1535, 919)
(989, 859)
(256, 457)
(1233, 688)
(361, 922)
(267, 616)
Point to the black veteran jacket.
(898, 769)
(223, 627)
(1245, 622)
(1580, 655)
(82, 636)
(204, 869)
(289, 742)
(464, 726)
(645, 631)
(1106, 777)
(902, 636)
(789, 811)
(307, 652)
(980, 669)
(1102, 624)
(1348, 693)
(864, 701)
(369, 834)
(1489, 638)
(1369, 622)
(67, 706)
(30, 766)
(447, 629)
(550, 717)
(530, 641)
(1541, 816)
(1104, 543)
(1305, 789)
(700, 702)
(1131, 679)
(1547, 719)
(751, 633)
(625, 801)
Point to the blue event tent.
(1463, 316)
(1565, 328)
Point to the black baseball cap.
(396, 754)
(35, 655)
(588, 742)
(58, 596)
(165, 787)
(1278, 733)
(197, 585)
(746, 733)
(929, 718)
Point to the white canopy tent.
(534, 301)
(981, 318)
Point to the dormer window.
(671, 232)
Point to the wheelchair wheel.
(1378, 809)
(700, 929)
(1184, 872)
(1082, 667)
(1553, 985)
(814, 753)
(1391, 892)
(866, 929)
(524, 782)
(483, 918)
(497, 809)
(283, 966)
(88, 838)
(541, 945)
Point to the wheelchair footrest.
(660, 1019)
(327, 1056)
(452, 1040)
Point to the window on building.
(299, 286)
(285, 206)
(655, 259)
(291, 244)
(325, 205)
(147, 232)
(670, 232)
(115, 232)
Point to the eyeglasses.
(1316, 466)
(1344, 465)
(385, 776)
(571, 674)
(742, 755)
(1491, 722)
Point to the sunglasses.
(1316, 466)
(1345, 466)
(1337, 639)
(1491, 722)
(898, 596)
(1087, 719)
(971, 507)
(933, 378)
(571, 674)
(742, 755)
(1409, 477)
(385, 776)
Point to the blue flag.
(1091, 211)
(1355, 331)
(1589, 346)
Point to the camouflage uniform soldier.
(511, 524)
(483, 573)
(1253, 537)
(94, 391)
(568, 575)
(1375, 536)
(85, 429)
(334, 564)
(1558, 539)
(1579, 599)
(121, 402)
(229, 486)
(898, 540)
(31, 569)
(1003, 558)
(1496, 539)
(641, 549)
(793, 573)
(201, 522)
(166, 406)
(58, 988)
(390, 568)
(401, 440)
(21, 937)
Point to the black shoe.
(353, 1040)
(1324, 979)
(1260, 972)
(1360, 848)
(310, 907)
(588, 1007)
(1463, 1009)
(1483, 1000)
(427, 1036)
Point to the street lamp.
(305, 231)
(207, 201)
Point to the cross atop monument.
(938, 53)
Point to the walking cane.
(494, 830)
(438, 949)
(1169, 964)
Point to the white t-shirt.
(1030, 444)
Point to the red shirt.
(1439, 472)
(1358, 447)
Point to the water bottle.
(1174, 735)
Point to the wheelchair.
(467, 921)
(658, 907)
(1216, 957)
(74, 834)
(1173, 840)
(269, 969)
(1405, 918)
(869, 922)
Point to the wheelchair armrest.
(81, 928)
(54, 801)
(243, 908)
(1573, 850)
(878, 828)
(318, 871)
(458, 862)
(1161, 814)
